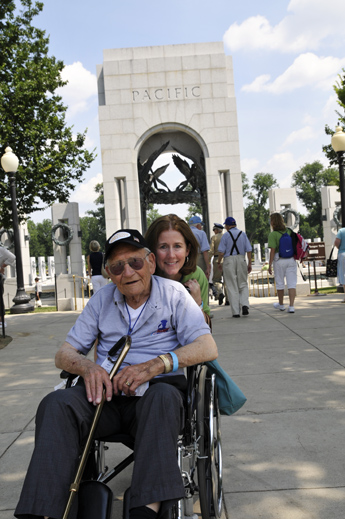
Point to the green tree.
(93, 226)
(339, 89)
(90, 230)
(308, 182)
(41, 243)
(152, 214)
(32, 116)
(256, 214)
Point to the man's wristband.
(175, 360)
(166, 362)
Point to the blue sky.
(286, 56)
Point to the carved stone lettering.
(161, 94)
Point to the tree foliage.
(32, 116)
(339, 89)
(152, 214)
(256, 214)
(40, 243)
(308, 182)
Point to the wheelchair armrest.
(65, 374)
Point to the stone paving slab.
(282, 451)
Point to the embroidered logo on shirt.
(162, 327)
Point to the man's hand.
(131, 377)
(96, 379)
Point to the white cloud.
(303, 134)
(329, 109)
(80, 89)
(249, 166)
(85, 193)
(307, 24)
(308, 70)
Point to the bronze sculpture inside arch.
(153, 190)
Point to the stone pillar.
(68, 214)
(69, 265)
(51, 267)
(330, 199)
(257, 254)
(33, 270)
(42, 273)
(267, 252)
(280, 199)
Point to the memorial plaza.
(282, 452)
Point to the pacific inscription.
(160, 94)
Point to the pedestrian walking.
(217, 283)
(236, 250)
(94, 266)
(196, 225)
(38, 292)
(283, 261)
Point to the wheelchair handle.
(76, 483)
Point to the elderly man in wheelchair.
(145, 399)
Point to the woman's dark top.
(96, 259)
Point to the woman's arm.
(337, 242)
(272, 253)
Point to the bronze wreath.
(284, 212)
(67, 232)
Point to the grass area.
(38, 310)
(325, 290)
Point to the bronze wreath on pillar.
(67, 233)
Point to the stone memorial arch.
(178, 99)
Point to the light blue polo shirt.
(242, 243)
(170, 319)
(201, 236)
(341, 236)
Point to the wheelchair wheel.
(209, 463)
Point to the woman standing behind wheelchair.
(284, 266)
(176, 250)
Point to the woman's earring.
(187, 259)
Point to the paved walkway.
(283, 451)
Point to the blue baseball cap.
(230, 221)
(194, 220)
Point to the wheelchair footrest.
(95, 500)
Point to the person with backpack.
(236, 250)
(283, 261)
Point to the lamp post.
(338, 144)
(9, 163)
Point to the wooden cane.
(76, 483)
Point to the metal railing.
(261, 284)
(82, 290)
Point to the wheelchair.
(199, 450)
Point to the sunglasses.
(135, 263)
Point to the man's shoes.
(277, 306)
(227, 303)
(221, 299)
(237, 315)
(245, 310)
(291, 310)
